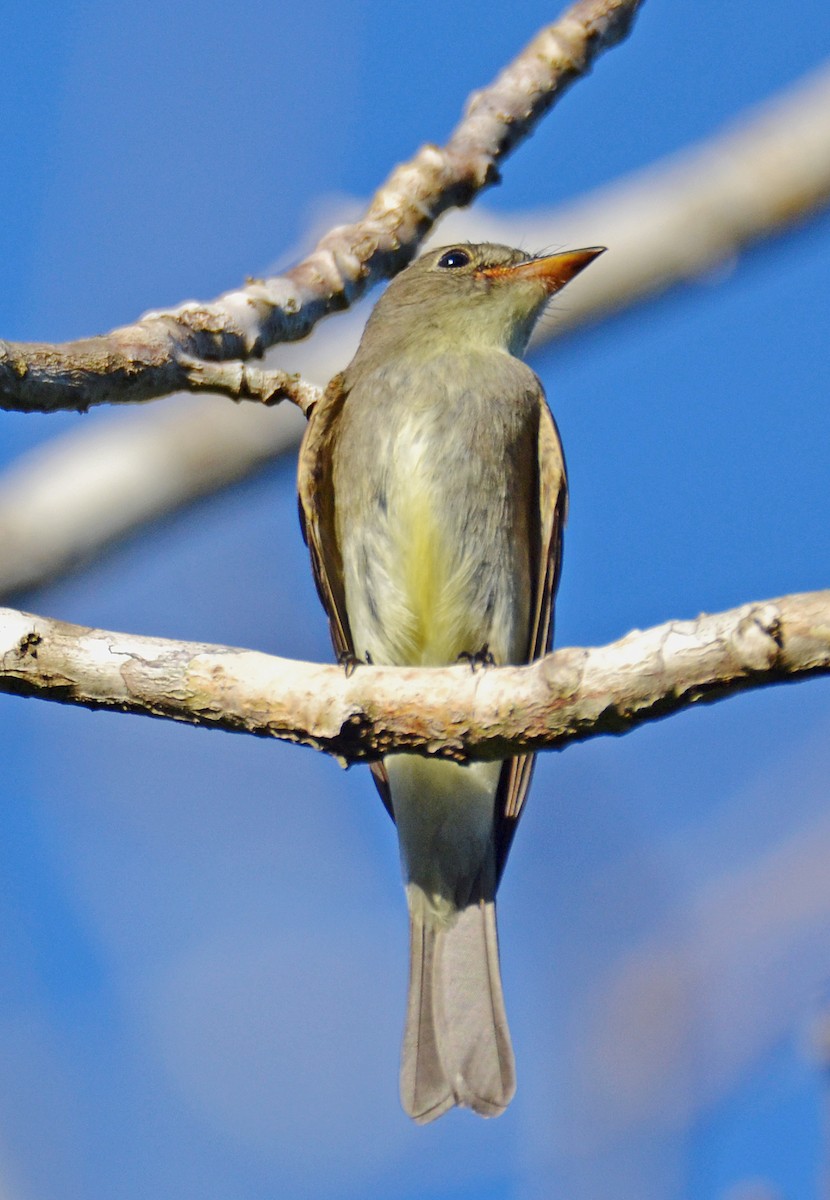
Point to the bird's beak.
(554, 270)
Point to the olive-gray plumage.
(433, 495)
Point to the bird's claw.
(481, 658)
(350, 662)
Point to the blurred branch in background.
(666, 226)
(154, 357)
(571, 695)
(87, 489)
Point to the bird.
(433, 495)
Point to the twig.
(239, 381)
(569, 696)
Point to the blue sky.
(202, 937)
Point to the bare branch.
(239, 381)
(571, 695)
(665, 225)
(154, 357)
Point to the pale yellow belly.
(435, 554)
(430, 578)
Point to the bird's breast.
(434, 526)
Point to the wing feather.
(316, 498)
(315, 488)
(553, 506)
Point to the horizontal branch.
(154, 357)
(571, 695)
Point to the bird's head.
(485, 296)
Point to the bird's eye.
(454, 258)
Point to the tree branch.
(154, 357)
(571, 695)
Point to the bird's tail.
(456, 1047)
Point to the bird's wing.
(553, 508)
(315, 489)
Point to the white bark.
(568, 696)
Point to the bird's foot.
(350, 662)
(481, 658)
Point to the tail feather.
(456, 1047)
(425, 1089)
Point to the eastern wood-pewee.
(433, 495)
